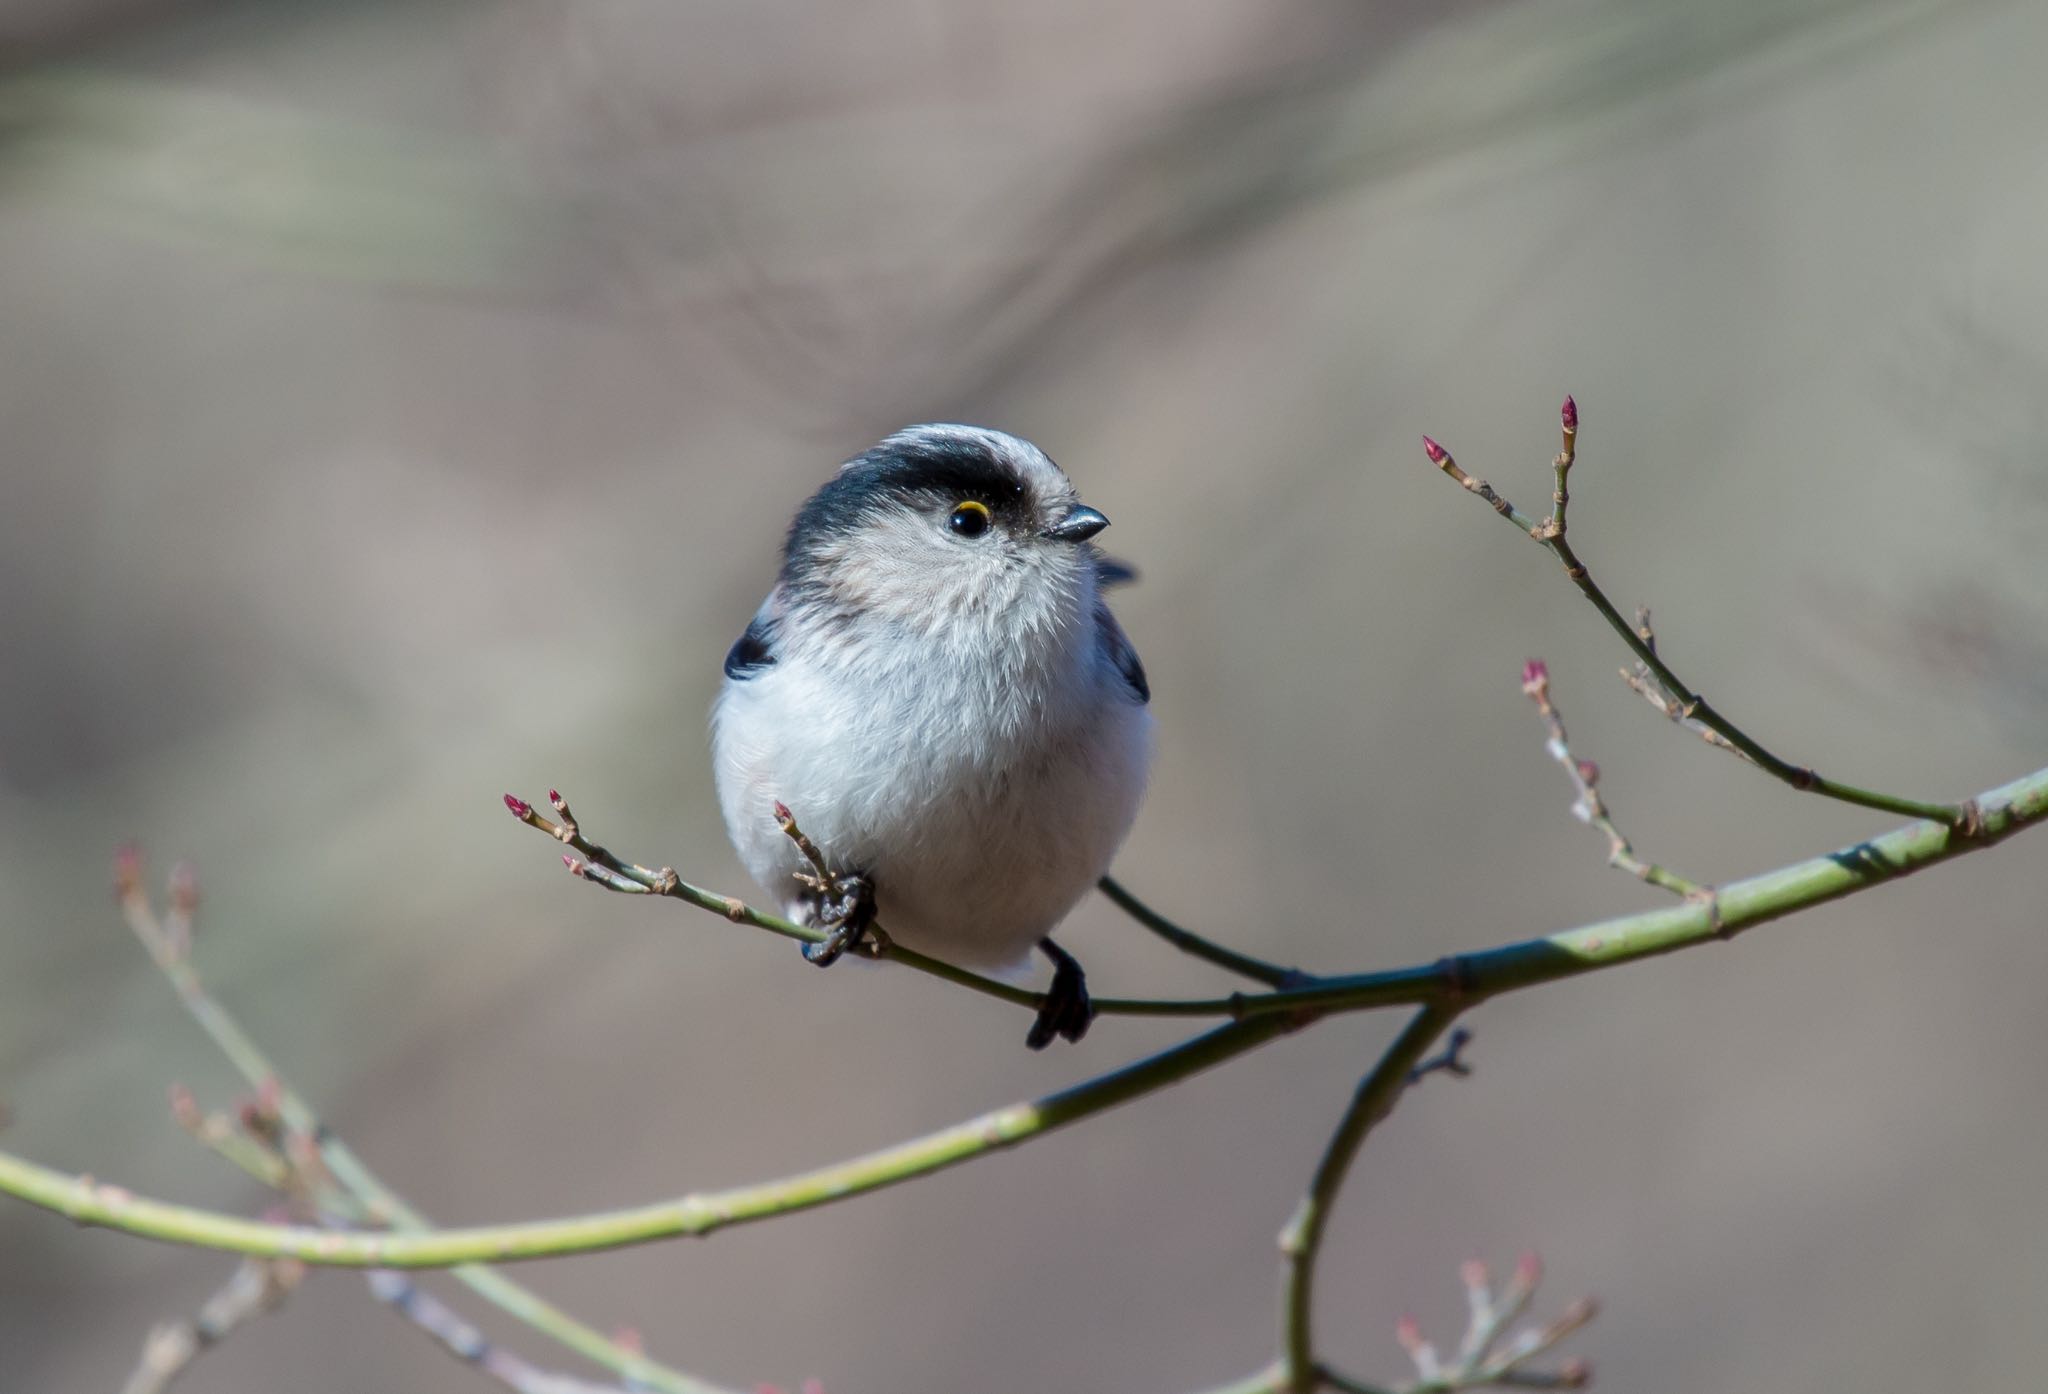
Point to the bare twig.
(613, 873)
(1450, 1060)
(257, 1286)
(1551, 533)
(1489, 1355)
(469, 1345)
(1644, 683)
(356, 1195)
(1590, 807)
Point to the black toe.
(1067, 1010)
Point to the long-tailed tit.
(938, 691)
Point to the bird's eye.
(970, 519)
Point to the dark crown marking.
(914, 468)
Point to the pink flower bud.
(1535, 673)
(127, 868)
(521, 809)
(1437, 454)
(1570, 415)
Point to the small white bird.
(937, 690)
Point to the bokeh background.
(402, 403)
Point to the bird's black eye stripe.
(750, 655)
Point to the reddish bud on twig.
(1570, 415)
(127, 869)
(1474, 1275)
(555, 798)
(1589, 773)
(521, 809)
(627, 1338)
(1437, 454)
(782, 813)
(1535, 674)
(574, 864)
(1408, 1331)
(1529, 1269)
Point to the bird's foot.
(1067, 1010)
(846, 911)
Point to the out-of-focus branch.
(469, 1345)
(1490, 1355)
(257, 1286)
(1550, 532)
(357, 1196)
(1590, 807)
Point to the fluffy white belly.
(981, 817)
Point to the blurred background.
(402, 405)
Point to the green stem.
(1459, 982)
(1302, 1240)
(92, 1203)
(1189, 942)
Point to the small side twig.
(257, 1286)
(1450, 1060)
(1489, 1355)
(1589, 807)
(1550, 533)
(1644, 684)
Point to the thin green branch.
(93, 1203)
(374, 1203)
(1189, 942)
(1458, 982)
(1551, 534)
(1302, 1240)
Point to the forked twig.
(1550, 532)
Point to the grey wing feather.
(1117, 649)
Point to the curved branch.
(1459, 982)
(1302, 1240)
(90, 1202)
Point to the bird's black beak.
(1080, 524)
